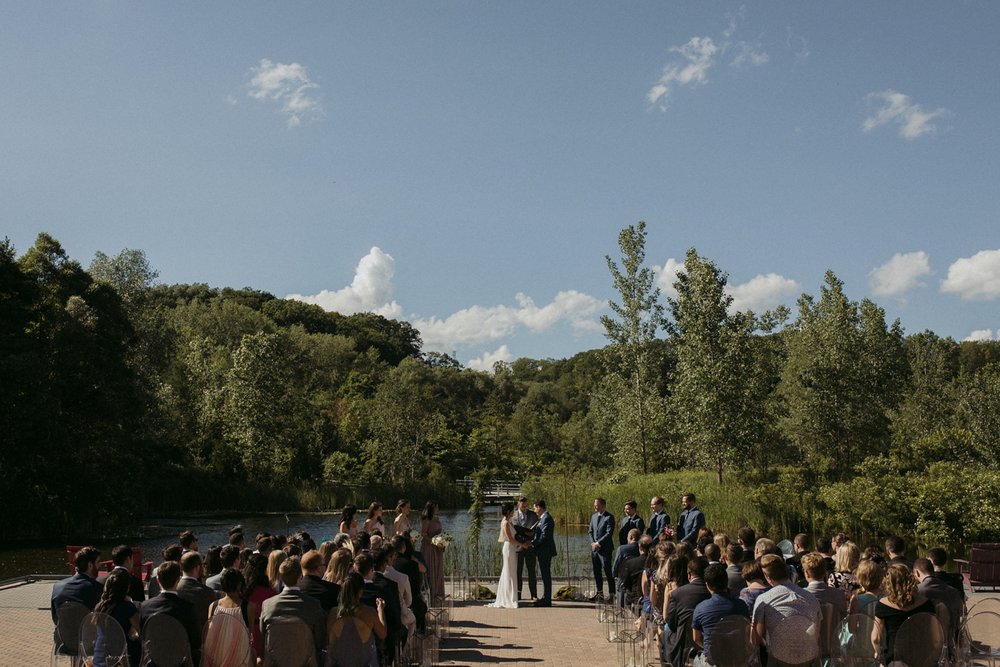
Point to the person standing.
(430, 525)
(544, 544)
(691, 520)
(659, 520)
(629, 521)
(525, 518)
(602, 528)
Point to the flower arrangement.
(414, 536)
(442, 540)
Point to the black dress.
(894, 618)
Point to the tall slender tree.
(636, 320)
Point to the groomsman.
(524, 517)
(629, 521)
(602, 527)
(658, 520)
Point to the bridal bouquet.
(442, 540)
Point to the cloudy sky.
(467, 165)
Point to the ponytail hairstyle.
(350, 595)
(115, 591)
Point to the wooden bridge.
(496, 490)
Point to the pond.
(157, 533)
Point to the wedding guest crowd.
(363, 594)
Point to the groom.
(544, 544)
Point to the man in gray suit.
(291, 603)
(525, 518)
(191, 589)
(936, 590)
(230, 557)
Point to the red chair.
(982, 569)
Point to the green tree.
(636, 320)
(843, 378)
(720, 416)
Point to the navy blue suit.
(544, 544)
(78, 588)
(657, 522)
(688, 525)
(602, 529)
(628, 523)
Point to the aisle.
(565, 634)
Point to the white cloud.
(981, 335)
(697, 57)
(761, 292)
(666, 275)
(900, 274)
(897, 108)
(369, 292)
(288, 85)
(976, 277)
(478, 324)
(749, 55)
(485, 362)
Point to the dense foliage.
(119, 396)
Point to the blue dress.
(350, 651)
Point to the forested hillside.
(120, 396)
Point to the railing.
(495, 490)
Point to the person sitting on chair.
(82, 587)
(709, 612)
(170, 603)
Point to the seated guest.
(189, 541)
(122, 557)
(226, 642)
(939, 558)
(325, 592)
(756, 583)
(383, 587)
(746, 538)
(765, 546)
(936, 590)
(901, 601)
(722, 541)
(82, 587)
(825, 547)
(628, 550)
(814, 567)
(785, 603)
(116, 603)
(343, 541)
(171, 553)
(869, 576)
(293, 603)
(237, 539)
(408, 564)
(800, 547)
(681, 603)
(895, 551)
(213, 562)
(664, 550)
(274, 561)
(845, 563)
(711, 553)
(673, 575)
(169, 603)
(191, 589)
(229, 557)
(630, 572)
(340, 563)
(257, 589)
(405, 590)
(265, 544)
(734, 572)
(709, 612)
(352, 630)
(837, 540)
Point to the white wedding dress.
(506, 587)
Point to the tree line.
(122, 396)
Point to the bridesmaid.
(430, 526)
(401, 526)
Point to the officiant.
(524, 521)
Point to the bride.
(506, 588)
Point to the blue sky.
(467, 165)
